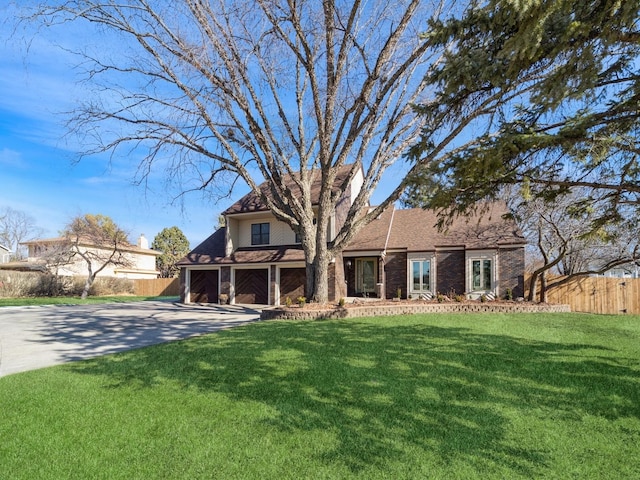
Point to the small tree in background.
(98, 241)
(16, 226)
(563, 242)
(174, 245)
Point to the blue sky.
(39, 171)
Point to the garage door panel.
(292, 283)
(204, 286)
(252, 286)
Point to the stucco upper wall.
(280, 233)
(142, 262)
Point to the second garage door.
(252, 286)
(292, 282)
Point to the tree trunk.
(87, 286)
(533, 282)
(321, 294)
(543, 287)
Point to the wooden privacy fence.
(157, 287)
(599, 295)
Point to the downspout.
(383, 255)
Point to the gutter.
(386, 242)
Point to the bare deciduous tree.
(273, 90)
(98, 241)
(16, 226)
(564, 241)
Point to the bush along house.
(256, 259)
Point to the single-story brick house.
(256, 259)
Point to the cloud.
(11, 158)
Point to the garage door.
(252, 286)
(292, 281)
(204, 286)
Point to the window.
(259, 234)
(481, 274)
(421, 275)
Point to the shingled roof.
(212, 251)
(253, 202)
(415, 230)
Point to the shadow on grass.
(384, 388)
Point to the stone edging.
(408, 309)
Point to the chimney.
(143, 242)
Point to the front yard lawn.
(30, 301)
(434, 396)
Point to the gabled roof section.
(415, 230)
(87, 243)
(212, 252)
(253, 203)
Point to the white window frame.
(482, 256)
(421, 257)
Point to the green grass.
(28, 301)
(437, 396)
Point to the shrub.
(18, 284)
(342, 301)
(42, 284)
(109, 286)
(288, 301)
(302, 301)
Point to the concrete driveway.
(36, 337)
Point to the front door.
(366, 276)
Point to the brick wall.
(511, 271)
(396, 274)
(409, 309)
(225, 280)
(450, 271)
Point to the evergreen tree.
(565, 75)
(174, 245)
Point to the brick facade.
(450, 272)
(511, 271)
(395, 274)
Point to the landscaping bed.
(373, 308)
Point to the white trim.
(424, 257)
(470, 256)
(187, 280)
(280, 266)
(253, 266)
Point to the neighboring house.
(256, 259)
(5, 254)
(142, 260)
